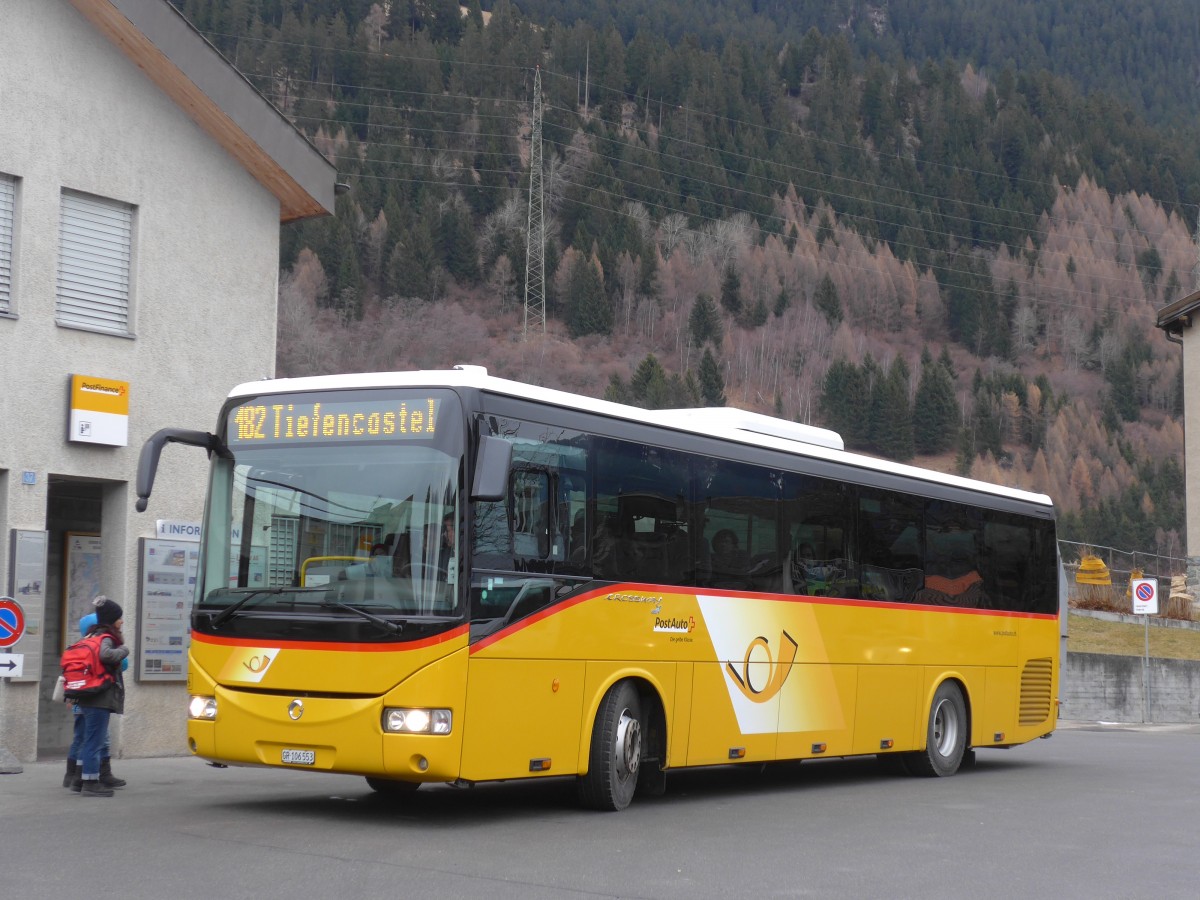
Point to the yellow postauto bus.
(449, 577)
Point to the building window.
(8, 193)
(95, 249)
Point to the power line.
(722, 186)
(729, 120)
(835, 264)
(758, 230)
(867, 186)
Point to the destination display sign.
(301, 420)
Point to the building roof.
(1175, 317)
(193, 73)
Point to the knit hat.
(108, 612)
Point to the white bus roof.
(728, 423)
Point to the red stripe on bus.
(536, 617)
(554, 609)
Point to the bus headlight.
(417, 721)
(202, 707)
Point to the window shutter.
(7, 200)
(95, 239)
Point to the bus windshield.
(335, 506)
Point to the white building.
(143, 182)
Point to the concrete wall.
(1104, 688)
(79, 115)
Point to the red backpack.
(84, 675)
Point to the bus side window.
(529, 511)
(890, 529)
(821, 560)
(952, 560)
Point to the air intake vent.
(1036, 691)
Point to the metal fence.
(1123, 562)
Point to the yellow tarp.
(1092, 570)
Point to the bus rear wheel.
(616, 751)
(390, 787)
(946, 735)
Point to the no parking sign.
(1145, 596)
(12, 621)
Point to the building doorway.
(73, 510)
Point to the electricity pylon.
(535, 234)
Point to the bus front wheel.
(946, 736)
(616, 751)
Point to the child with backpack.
(73, 778)
(97, 688)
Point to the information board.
(167, 579)
(81, 581)
(27, 585)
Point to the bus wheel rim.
(628, 745)
(945, 728)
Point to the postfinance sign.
(99, 411)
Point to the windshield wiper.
(225, 614)
(388, 626)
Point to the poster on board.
(27, 584)
(81, 580)
(166, 583)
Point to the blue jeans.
(95, 739)
(76, 750)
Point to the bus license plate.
(300, 757)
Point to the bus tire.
(390, 787)
(945, 736)
(616, 751)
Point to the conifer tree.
(965, 457)
(704, 322)
(731, 290)
(792, 237)
(827, 301)
(891, 415)
(757, 315)
(712, 384)
(649, 386)
(617, 391)
(408, 266)
(589, 309)
(934, 408)
(845, 403)
(782, 302)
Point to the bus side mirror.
(491, 469)
(148, 461)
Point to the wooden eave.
(1177, 316)
(218, 98)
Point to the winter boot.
(77, 783)
(95, 789)
(107, 778)
(72, 768)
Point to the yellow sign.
(99, 411)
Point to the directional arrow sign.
(12, 621)
(12, 665)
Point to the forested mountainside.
(948, 262)
(1144, 54)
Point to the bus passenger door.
(523, 709)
